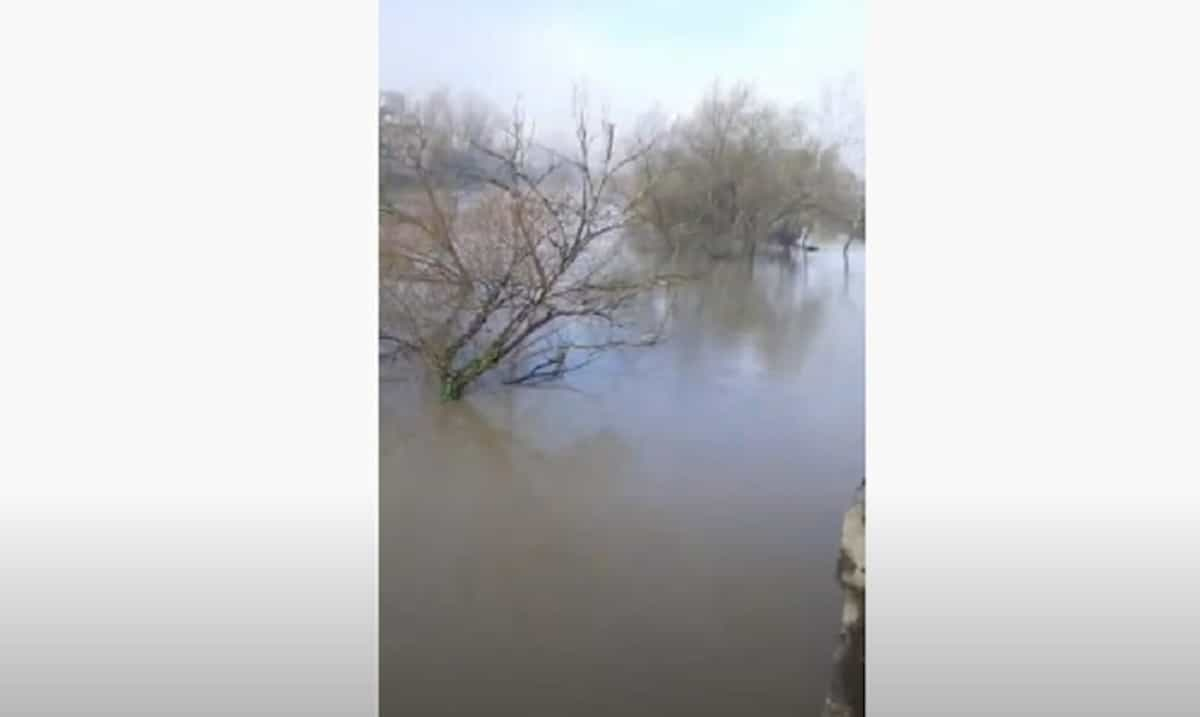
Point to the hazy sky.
(630, 54)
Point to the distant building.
(392, 107)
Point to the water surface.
(656, 535)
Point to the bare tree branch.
(481, 276)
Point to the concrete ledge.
(847, 689)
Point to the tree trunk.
(453, 386)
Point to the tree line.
(741, 170)
(499, 252)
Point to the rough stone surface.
(847, 690)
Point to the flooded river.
(655, 535)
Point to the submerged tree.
(743, 169)
(503, 252)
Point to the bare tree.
(742, 169)
(522, 271)
(842, 121)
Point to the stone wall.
(847, 691)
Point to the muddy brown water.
(656, 535)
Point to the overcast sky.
(630, 54)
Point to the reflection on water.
(655, 535)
